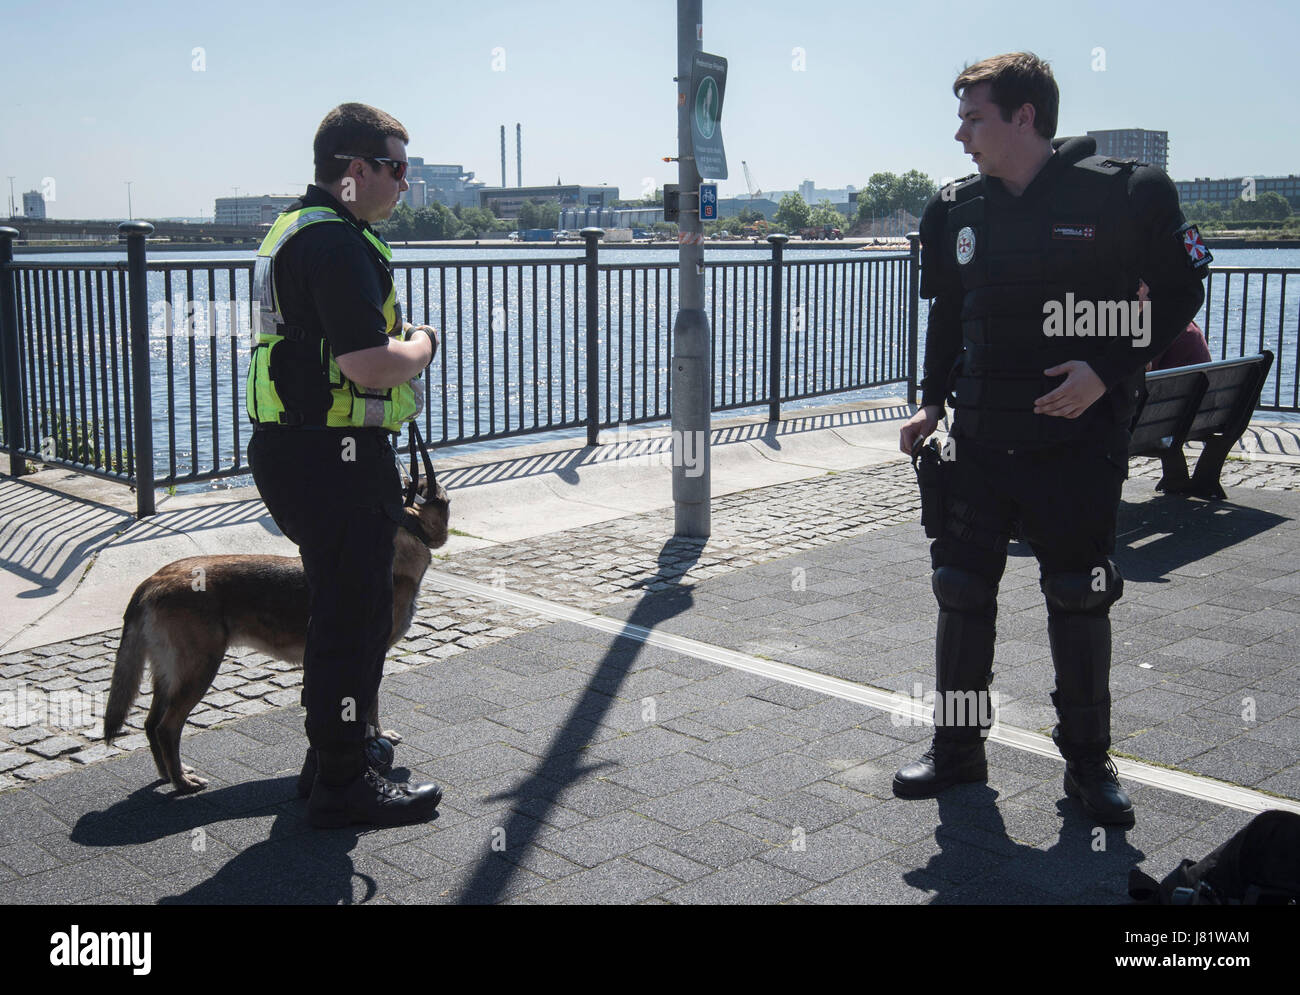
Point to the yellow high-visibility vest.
(349, 404)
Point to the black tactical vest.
(1073, 236)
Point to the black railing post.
(9, 357)
(777, 242)
(913, 314)
(593, 237)
(137, 291)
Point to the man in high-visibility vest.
(329, 379)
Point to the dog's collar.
(412, 525)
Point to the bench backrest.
(1192, 403)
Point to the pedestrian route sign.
(708, 87)
(708, 202)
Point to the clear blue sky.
(93, 95)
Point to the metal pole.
(130, 213)
(135, 232)
(774, 343)
(12, 381)
(593, 237)
(692, 377)
(914, 313)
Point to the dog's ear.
(439, 495)
(434, 511)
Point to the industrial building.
(441, 183)
(577, 218)
(1227, 190)
(1134, 143)
(261, 210)
(33, 204)
(505, 202)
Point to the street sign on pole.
(708, 87)
(708, 202)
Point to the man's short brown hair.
(1017, 78)
(355, 129)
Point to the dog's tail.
(128, 669)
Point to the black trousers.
(337, 494)
(1064, 501)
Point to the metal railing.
(1249, 309)
(101, 359)
(97, 360)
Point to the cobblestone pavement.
(51, 697)
(582, 767)
(64, 685)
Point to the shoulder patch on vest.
(1198, 255)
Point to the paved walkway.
(617, 716)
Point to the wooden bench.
(1210, 403)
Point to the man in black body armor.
(1031, 265)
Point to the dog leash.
(413, 484)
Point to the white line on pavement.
(1190, 785)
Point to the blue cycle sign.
(708, 86)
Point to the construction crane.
(754, 193)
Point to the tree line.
(884, 194)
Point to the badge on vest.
(1074, 233)
(1197, 253)
(965, 245)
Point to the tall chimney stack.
(519, 154)
(503, 155)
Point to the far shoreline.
(848, 244)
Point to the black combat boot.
(945, 763)
(1095, 782)
(379, 756)
(347, 790)
(1081, 654)
(962, 713)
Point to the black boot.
(963, 661)
(1095, 782)
(945, 763)
(1081, 654)
(347, 791)
(379, 756)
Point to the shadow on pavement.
(290, 863)
(46, 535)
(630, 444)
(1156, 537)
(980, 864)
(564, 763)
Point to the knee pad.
(1087, 592)
(961, 590)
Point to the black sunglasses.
(398, 166)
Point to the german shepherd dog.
(184, 628)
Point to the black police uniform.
(1086, 229)
(336, 492)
